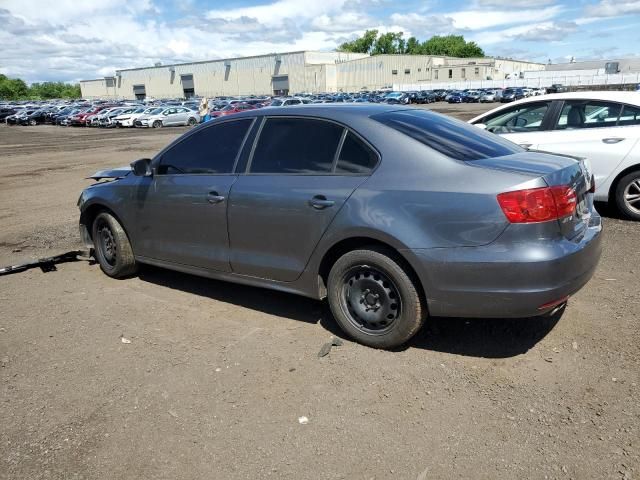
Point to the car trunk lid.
(555, 170)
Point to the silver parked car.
(168, 117)
(391, 213)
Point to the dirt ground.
(216, 375)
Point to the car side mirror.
(480, 125)
(142, 167)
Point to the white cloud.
(418, 24)
(537, 32)
(514, 3)
(482, 19)
(613, 8)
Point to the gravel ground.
(216, 376)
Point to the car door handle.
(213, 198)
(612, 140)
(320, 202)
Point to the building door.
(280, 84)
(188, 89)
(139, 92)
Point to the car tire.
(192, 121)
(33, 123)
(157, 124)
(112, 248)
(374, 299)
(625, 195)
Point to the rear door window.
(450, 137)
(630, 116)
(211, 150)
(296, 146)
(355, 157)
(588, 114)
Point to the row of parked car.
(101, 114)
(161, 113)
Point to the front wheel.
(628, 195)
(374, 299)
(192, 121)
(112, 248)
(157, 124)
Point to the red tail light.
(538, 204)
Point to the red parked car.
(83, 118)
(231, 109)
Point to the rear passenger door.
(300, 174)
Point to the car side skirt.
(298, 287)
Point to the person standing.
(204, 110)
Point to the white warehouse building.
(296, 72)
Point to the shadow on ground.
(478, 337)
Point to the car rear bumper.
(506, 279)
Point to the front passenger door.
(522, 124)
(181, 211)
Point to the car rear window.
(448, 136)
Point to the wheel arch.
(333, 253)
(611, 197)
(89, 214)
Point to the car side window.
(211, 150)
(296, 145)
(588, 114)
(355, 156)
(523, 118)
(630, 116)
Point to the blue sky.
(79, 39)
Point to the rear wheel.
(112, 248)
(374, 299)
(628, 195)
(157, 124)
(32, 122)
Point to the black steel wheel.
(374, 297)
(112, 248)
(371, 298)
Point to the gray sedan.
(393, 214)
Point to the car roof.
(632, 98)
(326, 110)
(611, 96)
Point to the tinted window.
(208, 151)
(296, 145)
(630, 116)
(588, 114)
(448, 136)
(355, 156)
(524, 118)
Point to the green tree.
(393, 42)
(413, 46)
(12, 88)
(17, 89)
(389, 43)
(452, 46)
(363, 44)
